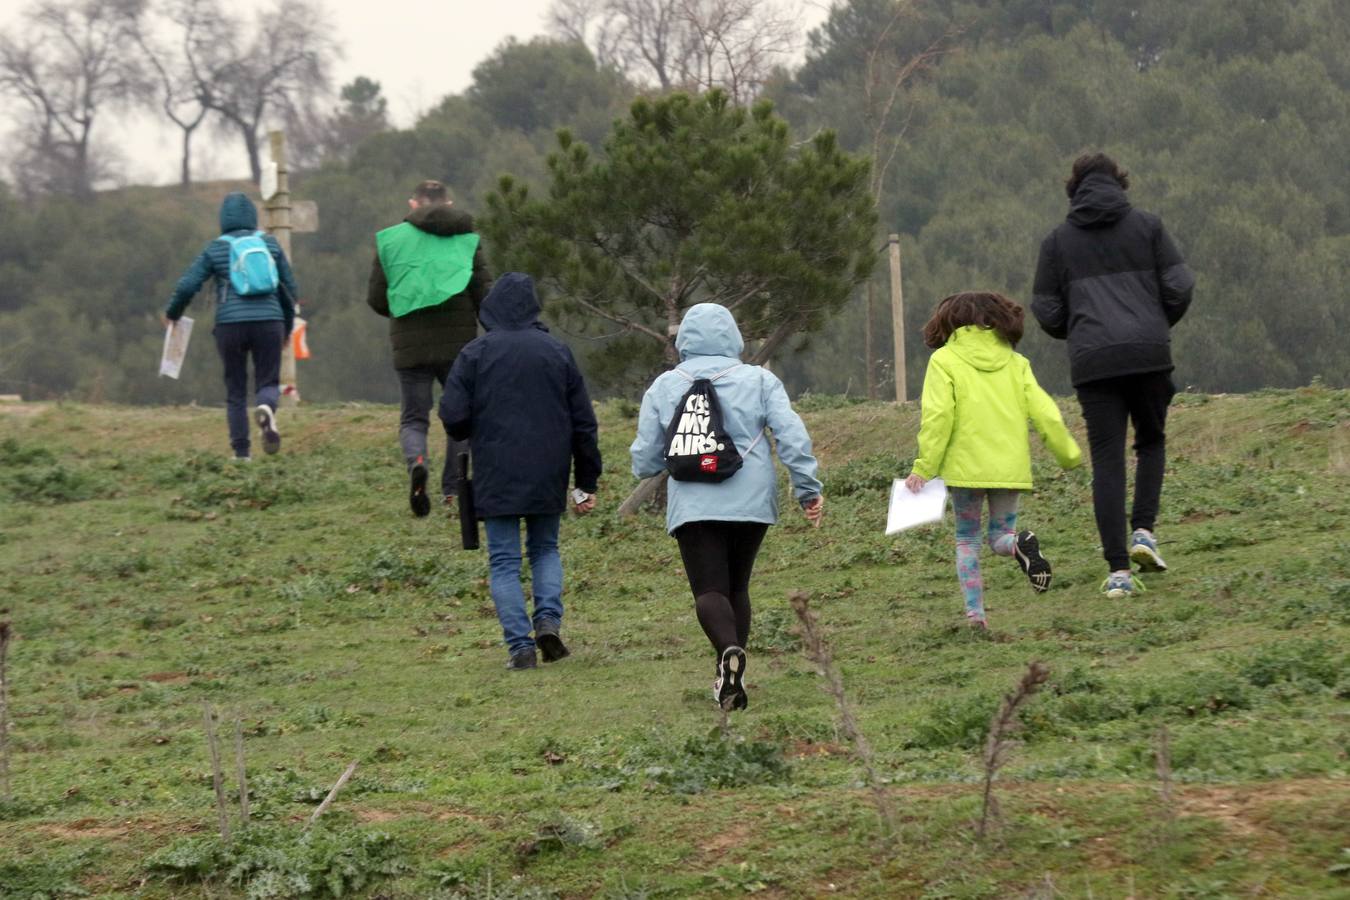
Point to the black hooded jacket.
(517, 395)
(1111, 281)
(433, 336)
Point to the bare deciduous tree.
(171, 40)
(74, 62)
(276, 72)
(685, 44)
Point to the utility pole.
(898, 321)
(867, 341)
(279, 224)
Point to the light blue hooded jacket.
(751, 398)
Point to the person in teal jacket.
(254, 326)
(720, 526)
(978, 395)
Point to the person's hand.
(584, 506)
(168, 323)
(915, 482)
(814, 509)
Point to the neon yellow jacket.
(977, 397)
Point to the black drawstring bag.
(697, 445)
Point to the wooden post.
(898, 321)
(867, 341)
(279, 224)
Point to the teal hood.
(709, 330)
(237, 212)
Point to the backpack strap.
(691, 379)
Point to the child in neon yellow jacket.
(978, 394)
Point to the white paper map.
(175, 347)
(909, 509)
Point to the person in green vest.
(428, 279)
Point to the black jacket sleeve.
(1048, 303)
(585, 445)
(480, 282)
(457, 396)
(377, 293)
(1175, 279)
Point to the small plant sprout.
(998, 747)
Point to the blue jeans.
(546, 575)
(237, 341)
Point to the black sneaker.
(1027, 552)
(550, 643)
(417, 493)
(266, 418)
(729, 688)
(524, 659)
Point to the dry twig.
(1163, 754)
(818, 651)
(332, 795)
(5, 633)
(998, 746)
(241, 770)
(217, 776)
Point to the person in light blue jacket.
(719, 526)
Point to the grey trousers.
(415, 385)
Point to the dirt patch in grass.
(1241, 809)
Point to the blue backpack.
(253, 271)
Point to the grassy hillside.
(146, 577)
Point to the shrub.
(273, 862)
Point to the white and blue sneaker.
(1144, 552)
(1121, 584)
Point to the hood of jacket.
(1098, 202)
(442, 219)
(511, 305)
(709, 330)
(981, 348)
(236, 212)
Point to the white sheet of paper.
(909, 509)
(175, 347)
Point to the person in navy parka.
(518, 397)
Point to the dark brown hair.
(986, 309)
(1092, 164)
(430, 191)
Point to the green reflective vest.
(423, 269)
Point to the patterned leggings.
(1002, 535)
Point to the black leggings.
(1107, 406)
(718, 558)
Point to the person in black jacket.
(1111, 281)
(419, 281)
(517, 395)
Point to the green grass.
(145, 577)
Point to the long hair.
(987, 309)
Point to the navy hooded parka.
(517, 395)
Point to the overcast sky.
(419, 51)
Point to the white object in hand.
(909, 509)
(175, 347)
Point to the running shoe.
(729, 688)
(1027, 552)
(266, 417)
(417, 490)
(1144, 552)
